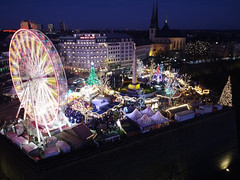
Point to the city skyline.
(122, 14)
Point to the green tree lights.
(92, 78)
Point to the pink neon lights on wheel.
(38, 76)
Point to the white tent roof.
(158, 118)
(144, 121)
(134, 115)
(148, 111)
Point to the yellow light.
(175, 107)
(227, 170)
(51, 81)
(49, 69)
(201, 91)
(134, 87)
(225, 162)
(206, 91)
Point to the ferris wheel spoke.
(38, 55)
(24, 69)
(14, 68)
(24, 79)
(51, 93)
(17, 43)
(45, 62)
(48, 69)
(28, 55)
(52, 89)
(33, 48)
(14, 49)
(51, 109)
(30, 60)
(21, 43)
(41, 105)
(26, 58)
(44, 93)
(22, 61)
(50, 81)
(27, 39)
(45, 123)
(12, 52)
(24, 93)
(44, 58)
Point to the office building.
(5, 78)
(40, 27)
(62, 27)
(27, 24)
(51, 27)
(109, 50)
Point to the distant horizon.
(122, 14)
(78, 29)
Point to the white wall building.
(110, 50)
(120, 50)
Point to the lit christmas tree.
(92, 78)
(226, 97)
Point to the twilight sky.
(122, 14)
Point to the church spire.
(165, 27)
(166, 19)
(153, 12)
(156, 16)
(154, 19)
(153, 16)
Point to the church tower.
(153, 30)
(165, 28)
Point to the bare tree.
(152, 69)
(103, 82)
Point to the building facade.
(40, 27)
(62, 27)
(121, 50)
(110, 50)
(5, 78)
(27, 24)
(165, 38)
(142, 52)
(50, 27)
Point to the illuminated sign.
(87, 37)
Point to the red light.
(8, 30)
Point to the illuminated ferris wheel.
(39, 79)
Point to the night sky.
(122, 14)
